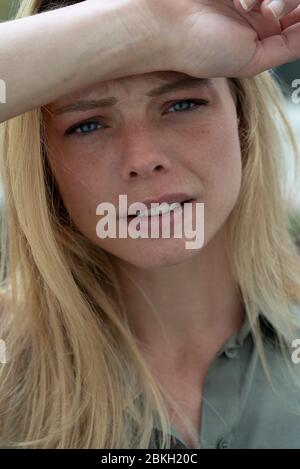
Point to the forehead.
(138, 84)
(144, 79)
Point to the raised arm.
(48, 55)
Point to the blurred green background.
(8, 8)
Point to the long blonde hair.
(74, 373)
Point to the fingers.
(276, 50)
(279, 48)
(248, 5)
(279, 8)
(291, 18)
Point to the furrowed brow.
(182, 84)
(87, 105)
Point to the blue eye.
(197, 102)
(85, 128)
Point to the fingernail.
(276, 7)
(247, 4)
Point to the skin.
(198, 152)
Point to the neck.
(183, 310)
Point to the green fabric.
(239, 407)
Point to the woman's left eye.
(197, 102)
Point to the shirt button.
(230, 352)
(223, 444)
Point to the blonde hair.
(74, 373)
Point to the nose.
(143, 156)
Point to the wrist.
(134, 39)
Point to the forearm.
(46, 56)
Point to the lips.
(170, 199)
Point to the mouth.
(174, 205)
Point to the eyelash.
(198, 102)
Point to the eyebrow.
(86, 105)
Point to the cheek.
(218, 151)
(81, 189)
(226, 165)
(220, 170)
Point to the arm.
(46, 56)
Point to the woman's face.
(145, 144)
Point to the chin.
(152, 253)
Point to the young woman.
(140, 342)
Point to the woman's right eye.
(86, 128)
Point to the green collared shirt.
(239, 407)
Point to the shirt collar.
(238, 338)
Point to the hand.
(219, 38)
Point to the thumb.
(274, 51)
